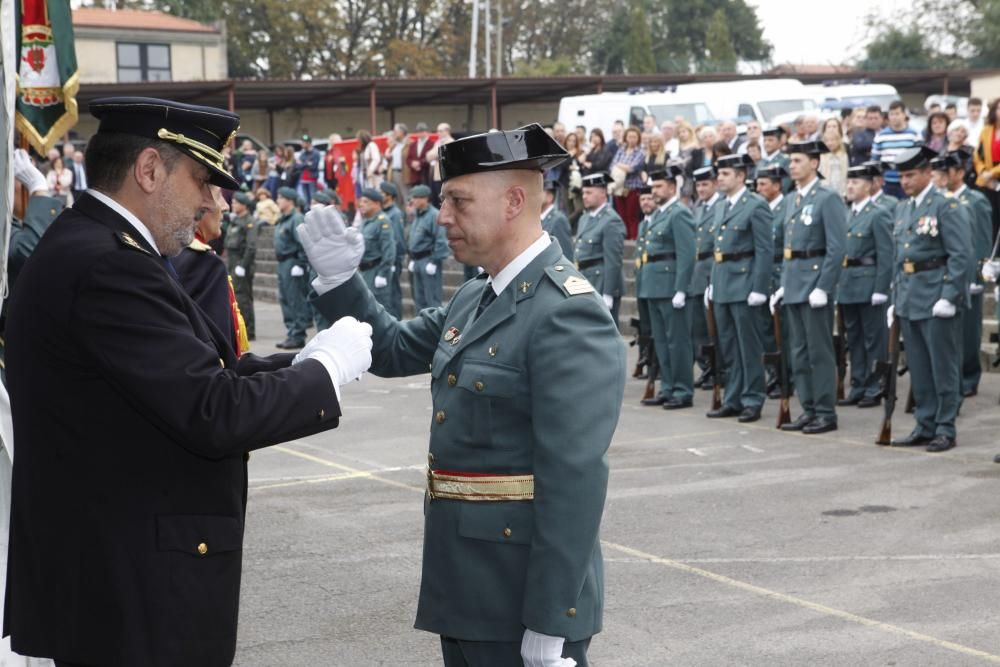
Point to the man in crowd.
(815, 234)
(419, 149)
(379, 257)
(670, 141)
(241, 251)
(443, 139)
(728, 133)
(892, 140)
(704, 220)
(974, 119)
(933, 252)
(515, 352)
(617, 139)
(863, 137)
(293, 282)
(740, 278)
(389, 195)
(668, 258)
(396, 159)
(555, 221)
(863, 290)
(754, 137)
(308, 160)
(428, 250)
(600, 242)
(75, 164)
(648, 124)
(139, 562)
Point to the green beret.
(243, 198)
(420, 191)
(389, 188)
(373, 194)
(321, 197)
(288, 193)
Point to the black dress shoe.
(289, 344)
(913, 440)
(820, 425)
(749, 415)
(850, 400)
(724, 411)
(870, 402)
(940, 443)
(996, 459)
(798, 424)
(970, 392)
(677, 404)
(656, 400)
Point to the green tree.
(898, 48)
(683, 29)
(638, 55)
(721, 56)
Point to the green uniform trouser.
(381, 294)
(932, 357)
(699, 329)
(672, 340)
(867, 340)
(462, 653)
(292, 297)
(738, 326)
(972, 336)
(243, 289)
(645, 325)
(427, 290)
(814, 364)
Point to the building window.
(143, 62)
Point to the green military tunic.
(933, 253)
(642, 305)
(600, 250)
(241, 250)
(428, 245)
(867, 270)
(743, 257)
(556, 223)
(704, 220)
(667, 263)
(292, 290)
(399, 236)
(886, 201)
(815, 236)
(380, 256)
(980, 218)
(513, 392)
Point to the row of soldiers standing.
(785, 249)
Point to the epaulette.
(569, 281)
(199, 246)
(126, 239)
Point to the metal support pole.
(371, 109)
(473, 54)
(486, 28)
(232, 97)
(493, 106)
(499, 38)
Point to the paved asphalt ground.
(726, 544)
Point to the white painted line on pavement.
(695, 451)
(819, 559)
(751, 448)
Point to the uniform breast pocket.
(495, 393)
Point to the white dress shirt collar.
(711, 200)
(777, 200)
(127, 214)
(597, 211)
(919, 199)
(509, 272)
(546, 212)
(809, 186)
(958, 193)
(664, 207)
(736, 197)
(858, 206)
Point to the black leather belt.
(925, 265)
(859, 261)
(282, 258)
(704, 255)
(420, 255)
(587, 263)
(732, 256)
(804, 254)
(660, 257)
(370, 265)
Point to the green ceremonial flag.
(48, 80)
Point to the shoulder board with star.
(126, 239)
(199, 246)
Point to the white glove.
(334, 250)
(380, 282)
(756, 299)
(410, 266)
(609, 301)
(991, 270)
(776, 298)
(345, 350)
(878, 298)
(679, 299)
(297, 272)
(943, 309)
(890, 316)
(239, 272)
(27, 173)
(975, 288)
(817, 298)
(996, 293)
(708, 295)
(431, 269)
(538, 650)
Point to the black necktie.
(489, 296)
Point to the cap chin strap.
(206, 153)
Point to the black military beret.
(528, 147)
(918, 157)
(810, 148)
(199, 132)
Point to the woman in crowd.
(833, 165)
(689, 154)
(600, 155)
(60, 182)
(936, 132)
(260, 170)
(987, 161)
(368, 168)
(656, 155)
(288, 175)
(574, 197)
(334, 162)
(629, 162)
(708, 138)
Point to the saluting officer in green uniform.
(863, 290)
(293, 280)
(774, 155)
(428, 250)
(879, 195)
(933, 252)
(979, 214)
(600, 242)
(389, 194)
(770, 185)
(241, 250)
(380, 247)
(815, 235)
(704, 220)
(512, 567)
(668, 258)
(555, 221)
(742, 273)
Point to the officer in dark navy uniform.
(129, 487)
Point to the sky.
(819, 32)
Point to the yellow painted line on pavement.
(353, 473)
(804, 604)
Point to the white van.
(759, 99)
(834, 95)
(604, 109)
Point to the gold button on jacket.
(203, 548)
